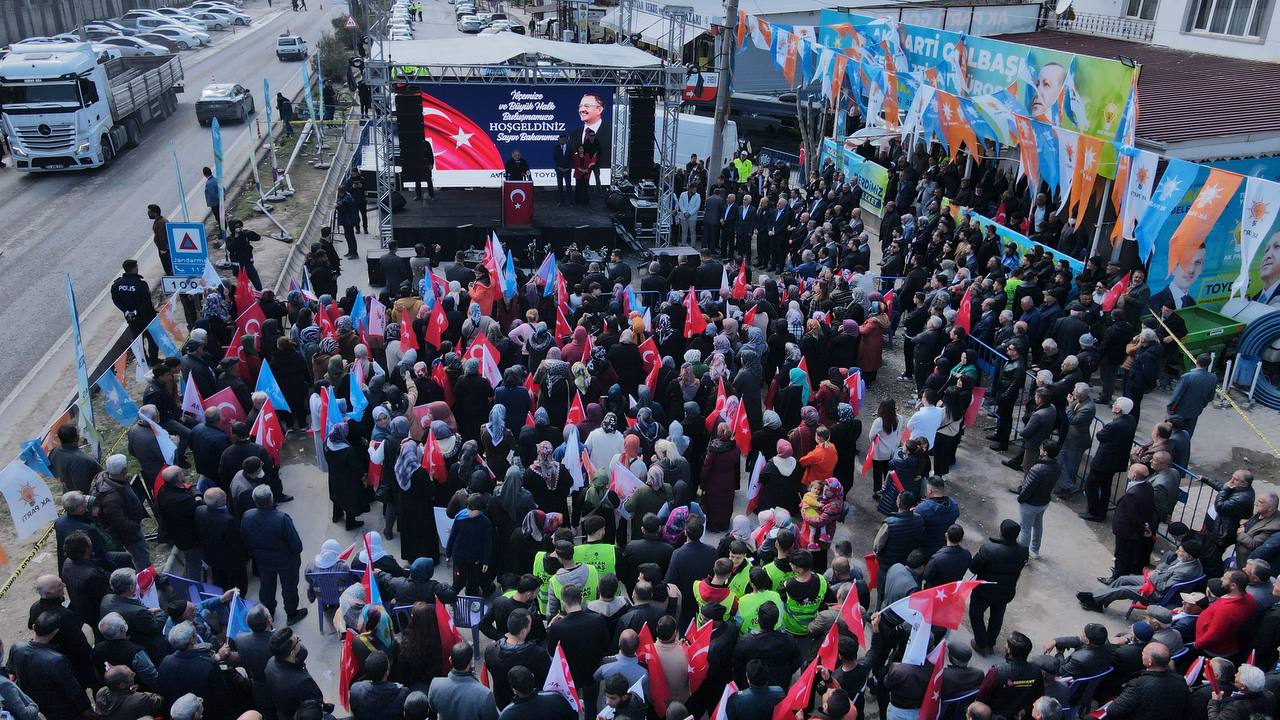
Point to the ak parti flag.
(1113, 295)
(955, 128)
(1212, 199)
(1088, 153)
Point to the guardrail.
(1112, 26)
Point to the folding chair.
(1170, 595)
(328, 587)
(1080, 693)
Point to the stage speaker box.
(641, 142)
(397, 201)
(412, 142)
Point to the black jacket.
(999, 562)
(70, 640)
(87, 583)
(131, 294)
(395, 272)
(1037, 486)
(538, 706)
(639, 552)
(779, 652)
(500, 657)
(1115, 439)
(177, 508)
(195, 671)
(255, 652)
(1039, 427)
(1151, 696)
(145, 628)
(1084, 660)
(232, 462)
(218, 532)
(271, 538)
(1135, 513)
(67, 524)
(378, 700)
(289, 684)
(207, 445)
(46, 676)
(947, 565)
(585, 637)
(119, 509)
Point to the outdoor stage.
(459, 219)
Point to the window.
(1239, 18)
(1142, 9)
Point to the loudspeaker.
(641, 141)
(412, 140)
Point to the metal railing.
(1112, 26)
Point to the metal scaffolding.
(677, 27)
(377, 76)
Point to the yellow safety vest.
(601, 556)
(589, 591)
(749, 608)
(544, 590)
(796, 614)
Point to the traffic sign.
(182, 284)
(351, 23)
(188, 250)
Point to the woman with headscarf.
(695, 428)
(814, 348)
(533, 536)
(955, 403)
(509, 506)
(292, 375)
(594, 417)
(497, 442)
(842, 350)
(460, 473)
(548, 482)
(478, 483)
(382, 560)
(802, 437)
(720, 478)
(473, 396)
(604, 442)
(747, 385)
(684, 390)
(675, 468)
(216, 318)
(681, 497)
(740, 529)
(764, 440)
(780, 480)
(647, 429)
(831, 392)
(668, 333)
(600, 499)
(514, 396)
(631, 456)
(574, 351)
(541, 431)
(346, 476)
(845, 433)
(417, 500)
(871, 342)
(538, 344)
(910, 464)
(648, 498)
(553, 377)
(326, 561)
(792, 397)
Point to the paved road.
(86, 223)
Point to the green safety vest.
(601, 556)
(544, 590)
(741, 581)
(749, 608)
(727, 602)
(589, 591)
(778, 575)
(797, 614)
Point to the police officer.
(240, 251)
(132, 295)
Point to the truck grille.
(48, 137)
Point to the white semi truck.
(66, 107)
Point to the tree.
(813, 118)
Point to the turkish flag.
(661, 695)
(267, 431)
(932, 701)
(829, 650)
(225, 400)
(749, 316)
(867, 464)
(1113, 295)
(714, 416)
(943, 605)
(449, 635)
(517, 203)
(797, 697)
(433, 459)
(741, 429)
(408, 338)
(245, 296)
(888, 303)
(437, 322)
(375, 468)
(651, 380)
(457, 141)
(740, 282)
(873, 569)
(649, 354)
(533, 389)
(699, 648)
(576, 412)
(694, 322)
(327, 330)
(250, 321)
(966, 305)
(853, 381)
(851, 614)
(442, 379)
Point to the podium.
(517, 203)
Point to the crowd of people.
(592, 451)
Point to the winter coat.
(999, 562)
(1037, 487)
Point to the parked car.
(235, 16)
(291, 47)
(163, 41)
(133, 46)
(206, 4)
(131, 18)
(225, 101)
(107, 52)
(109, 24)
(150, 24)
(470, 24)
(179, 14)
(185, 37)
(213, 22)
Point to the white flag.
(30, 502)
(721, 712)
(167, 447)
(1067, 143)
(210, 278)
(1261, 204)
(192, 403)
(918, 644)
(377, 317)
(753, 485)
(1137, 191)
(560, 681)
(444, 525)
(139, 360)
(573, 458)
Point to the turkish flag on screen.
(456, 140)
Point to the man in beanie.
(999, 562)
(957, 677)
(1091, 652)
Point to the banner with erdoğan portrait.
(474, 129)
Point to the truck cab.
(66, 106)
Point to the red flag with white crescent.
(853, 381)
(749, 316)
(433, 458)
(753, 485)
(797, 697)
(1113, 295)
(441, 376)
(449, 635)
(457, 142)
(966, 309)
(651, 380)
(741, 428)
(694, 321)
(721, 712)
(829, 650)
(577, 413)
(408, 338)
(932, 701)
(851, 614)
(226, 401)
(250, 321)
(740, 282)
(713, 417)
(267, 431)
(649, 354)
(437, 323)
(698, 646)
(483, 350)
(648, 653)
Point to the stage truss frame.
(382, 75)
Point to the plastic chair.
(953, 708)
(1169, 596)
(328, 587)
(1080, 693)
(400, 616)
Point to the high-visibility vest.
(740, 581)
(729, 600)
(778, 575)
(540, 572)
(797, 614)
(749, 608)
(601, 556)
(590, 590)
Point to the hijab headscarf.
(214, 307)
(422, 569)
(375, 545)
(741, 529)
(675, 434)
(328, 556)
(597, 496)
(809, 416)
(645, 424)
(844, 412)
(532, 525)
(337, 439)
(630, 450)
(581, 377)
(664, 330)
(654, 477)
(407, 462)
(610, 423)
(772, 420)
(497, 426)
(512, 497)
(784, 460)
(546, 466)
(756, 342)
(799, 379)
(380, 413)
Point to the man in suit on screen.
(594, 133)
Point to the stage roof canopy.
(503, 47)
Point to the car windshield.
(217, 92)
(34, 93)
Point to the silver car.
(470, 24)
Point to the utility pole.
(728, 38)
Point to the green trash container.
(1207, 331)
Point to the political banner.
(30, 503)
(1203, 274)
(474, 130)
(872, 177)
(1009, 235)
